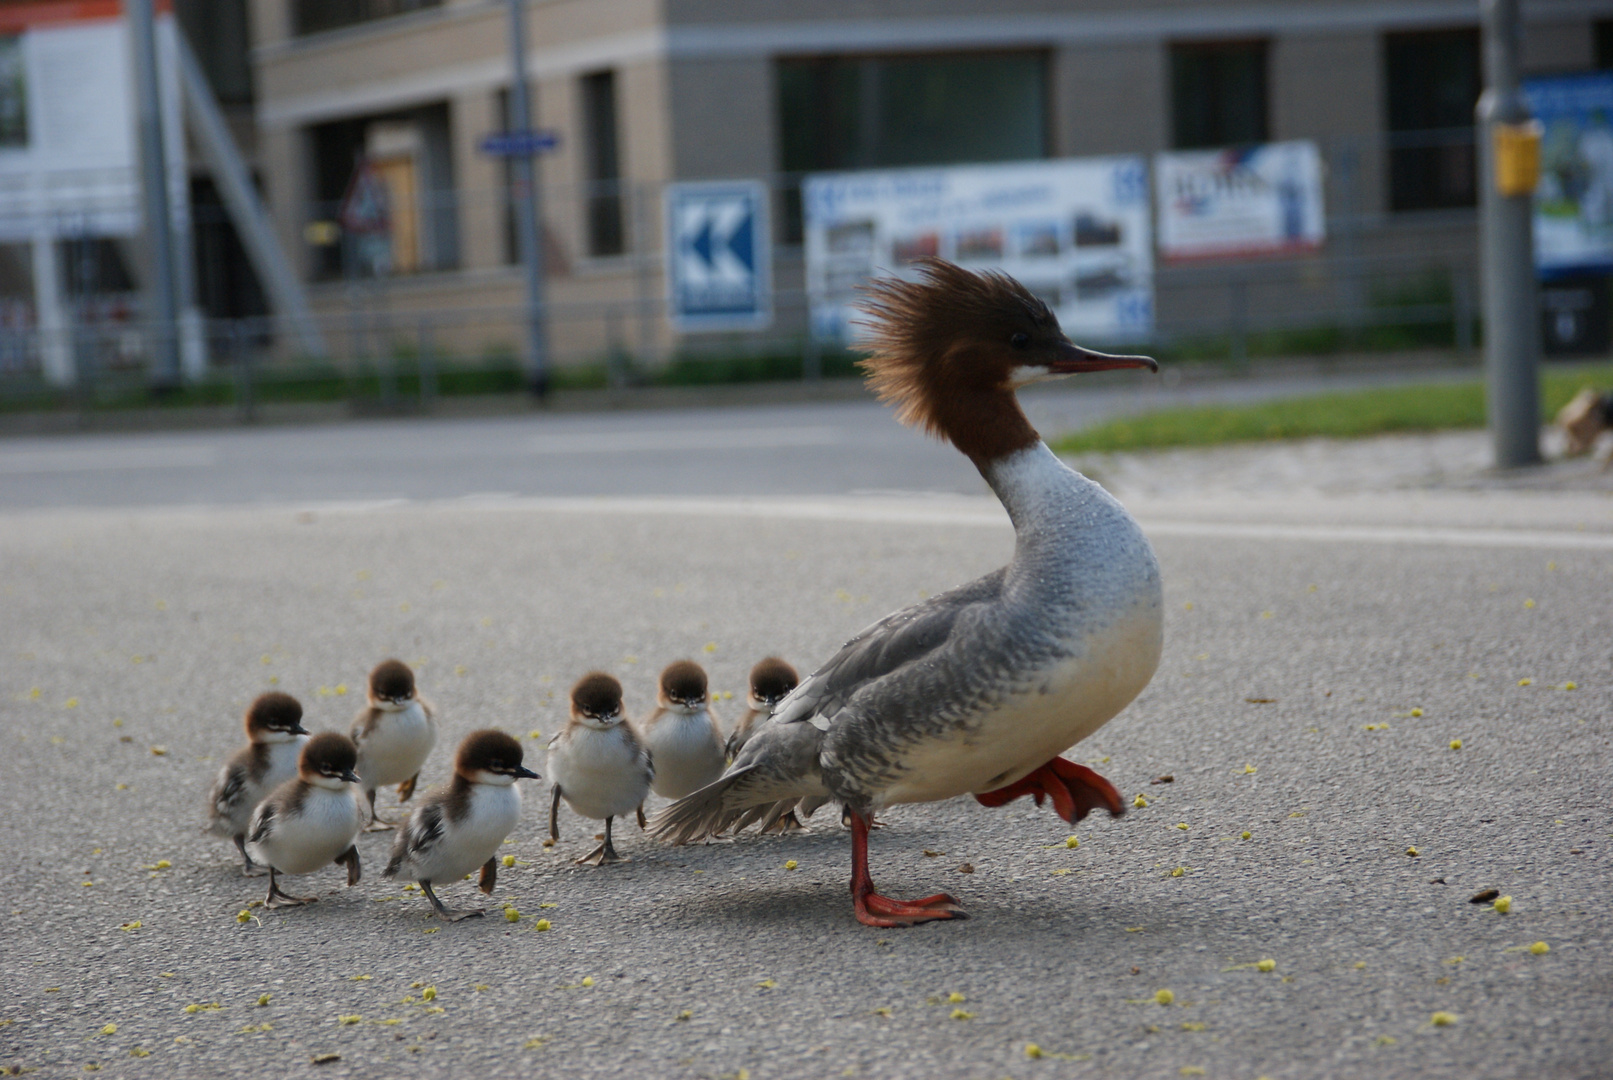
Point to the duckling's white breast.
(686, 751)
(323, 827)
(396, 747)
(600, 773)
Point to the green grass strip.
(1342, 415)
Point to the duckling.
(275, 738)
(771, 681)
(394, 735)
(682, 735)
(312, 819)
(457, 828)
(597, 763)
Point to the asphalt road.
(842, 447)
(1321, 656)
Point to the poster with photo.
(68, 160)
(1075, 232)
(1574, 199)
(1255, 200)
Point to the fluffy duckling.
(771, 681)
(460, 827)
(597, 764)
(274, 740)
(312, 819)
(682, 736)
(394, 735)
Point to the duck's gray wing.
(417, 838)
(900, 640)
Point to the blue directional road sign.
(718, 256)
(519, 143)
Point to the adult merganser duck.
(978, 690)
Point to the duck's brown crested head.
(949, 349)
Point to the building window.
(863, 112)
(388, 181)
(1218, 94)
(219, 36)
(603, 176)
(1602, 56)
(312, 16)
(1433, 86)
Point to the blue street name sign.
(519, 143)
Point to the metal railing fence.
(448, 319)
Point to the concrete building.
(643, 92)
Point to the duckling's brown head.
(949, 350)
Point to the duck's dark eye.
(1020, 340)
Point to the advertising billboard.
(1258, 200)
(69, 163)
(1075, 232)
(1574, 199)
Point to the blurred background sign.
(1075, 232)
(69, 166)
(1257, 200)
(718, 255)
(1574, 200)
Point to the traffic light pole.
(1510, 164)
(528, 200)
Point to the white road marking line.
(635, 441)
(1384, 534)
(967, 510)
(104, 458)
(963, 510)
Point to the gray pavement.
(1326, 642)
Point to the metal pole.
(528, 200)
(1511, 336)
(154, 188)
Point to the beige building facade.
(643, 92)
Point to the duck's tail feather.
(738, 798)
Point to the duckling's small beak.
(297, 729)
(1073, 359)
(350, 776)
(522, 772)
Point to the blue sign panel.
(519, 143)
(718, 256)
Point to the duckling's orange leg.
(876, 910)
(1076, 790)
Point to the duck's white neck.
(1039, 490)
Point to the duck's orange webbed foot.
(1076, 790)
(876, 910)
(882, 911)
